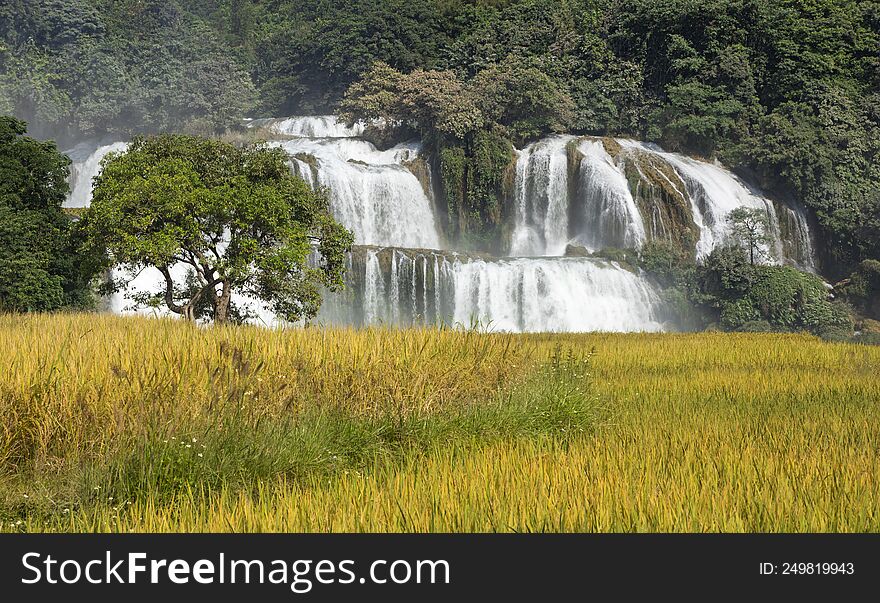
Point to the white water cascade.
(319, 126)
(567, 191)
(541, 198)
(567, 294)
(85, 165)
(571, 190)
(608, 213)
(713, 193)
(372, 192)
(400, 286)
(596, 210)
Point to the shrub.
(738, 313)
(756, 326)
(863, 289)
(867, 339)
(780, 296)
(666, 262)
(727, 273)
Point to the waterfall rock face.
(569, 193)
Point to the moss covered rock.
(661, 196)
(422, 171)
(476, 178)
(312, 162)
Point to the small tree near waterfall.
(751, 228)
(215, 219)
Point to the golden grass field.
(133, 424)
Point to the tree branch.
(169, 291)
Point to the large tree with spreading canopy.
(235, 218)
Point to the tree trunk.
(189, 312)
(221, 309)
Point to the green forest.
(785, 93)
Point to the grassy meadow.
(131, 424)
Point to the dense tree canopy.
(787, 91)
(234, 217)
(39, 269)
(75, 67)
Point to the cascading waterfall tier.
(541, 199)
(616, 193)
(372, 192)
(606, 213)
(317, 126)
(713, 193)
(407, 286)
(85, 165)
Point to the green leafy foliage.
(784, 298)
(751, 228)
(90, 67)
(863, 288)
(39, 267)
(432, 102)
(234, 216)
(729, 291)
(473, 125)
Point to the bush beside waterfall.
(730, 292)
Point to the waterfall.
(572, 190)
(592, 192)
(85, 165)
(713, 193)
(795, 240)
(315, 126)
(542, 198)
(608, 215)
(372, 192)
(565, 294)
(509, 294)
(374, 291)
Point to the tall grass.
(76, 387)
(421, 430)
